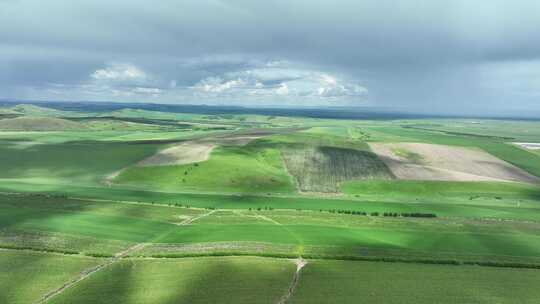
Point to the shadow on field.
(112, 284)
(92, 220)
(19, 276)
(82, 161)
(225, 283)
(190, 281)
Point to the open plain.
(139, 206)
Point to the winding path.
(300, 264)
(88, 272)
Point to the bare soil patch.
(529, 146)
(300, 263)
(234, 140)
(440, 162)
(182, 154)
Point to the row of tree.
(386, 214)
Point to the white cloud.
(281, 78)
(218, 85)
(142, 90)
(329, 80)
(283, 89)
(331, 87)
(272, 83)
(119, 71)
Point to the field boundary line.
(193, 219)
(289, 231)
(269, 219)
(373, 259)
(88, 272)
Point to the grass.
(27, 276)
(368, 282)
(39, 124)
(71, 163)
(253, 209)
(190, 280)
(114, 224)
(92, 227)
(244, 169)
(472, 192)
(451, 238)
(512, 205)
(42, 240)
(513, 130)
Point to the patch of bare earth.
(231, 139)
(110, 178)
(529, 146)
(182, 154)
(440, 162)
(237, 140)
(300, 263)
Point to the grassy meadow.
(229, 169)
(228, 229)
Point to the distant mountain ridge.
(312, 112)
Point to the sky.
(426, 56)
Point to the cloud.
(119, 72)
(115, 81)
(283, 89)
(276, 79)
(218, 85)
(273, 82)
(152, 91)
(424, 55)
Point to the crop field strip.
(106, 263)
(315, 234)
(323, 169)
(27, 276)
(353, 282)
(297, 288)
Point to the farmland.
(27, 276)
(438, 162)
(138, 206)
(413, 284)
(190, 280)
(323, 169)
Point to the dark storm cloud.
(421, 55)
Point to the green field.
(28, 276)
(229, 169)
(104, 228)
(364, 282)
(190, 280)
(69, 163)
(227, 229)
